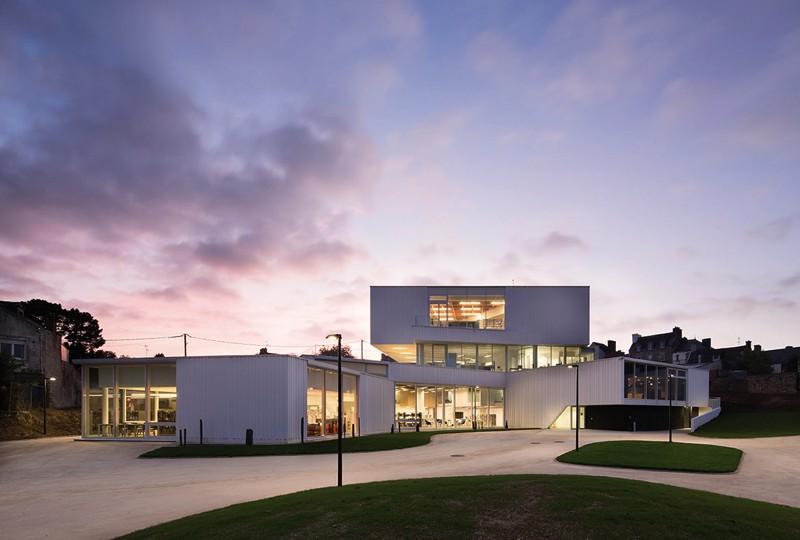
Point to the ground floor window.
(448, 407)
(129, 401)
(322, 403)
(646, 381)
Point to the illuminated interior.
(482, 311)
(322, 403)
(129, 401)
(435, 407)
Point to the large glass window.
(331, 402)
(499, 357)
(349, 403)
(630, 381)
(641, 378)
(315, 389)
(129, 401)
(163, 400)
(465, 409)
(100, 402)
(651, 382)
(485, 357)
(646, 381)
(444, 407)
(131, 381)
(468, 309)
(573, 355)
(544, 357)
(469, 355)
(433, 354)
(662, 383)
(405, 405)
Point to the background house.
(39, 350)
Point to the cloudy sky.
(245, 170)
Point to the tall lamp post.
(577, 403)
(339, 428)
(669, 414)
(44, 403)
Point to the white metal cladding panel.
(535, 398)
(413, 373)
(232, 394)
(393, 311)
(297, 384)
(375, 404)
(697, 387)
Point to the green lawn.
(523, 506)
(368, 443)
(749, 424)
(656, 455)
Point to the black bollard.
(392, 428)
(180, 438)
(506, 424)
(201, 431)
(353, 430)
(248, 437)
(302, 431)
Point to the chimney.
(636, 337)
(748, 344)
(757, 348)
(707, 342)
(678, 332)
(612, 346)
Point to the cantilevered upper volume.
(492, 328)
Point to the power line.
(145, 338)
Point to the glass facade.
(484, 310)
(322, 402)
(646, 381)
(448, 407)
(494, 357)
(129, 401)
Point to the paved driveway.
(59, 488)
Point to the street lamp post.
(577, 403)
(44, 403)
(339, 428)
(669, 414)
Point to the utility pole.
(184, 344)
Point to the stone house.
(39, 350)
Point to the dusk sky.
(244, 171)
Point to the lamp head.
(570, 366)
(52, 379)
(334, 336)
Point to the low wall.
(704, 419)
(774, 383)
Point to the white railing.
(705, 418)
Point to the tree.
(756, 362)
(159, 355)
(262, 350)
(81, 331)
(332, 350)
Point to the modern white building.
(455, 358)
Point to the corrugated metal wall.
(375, 404)
(697, 387)
(232, 394)
(535, 398)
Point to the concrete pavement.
(60, 488)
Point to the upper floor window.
(466, 310)
(16, 350)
